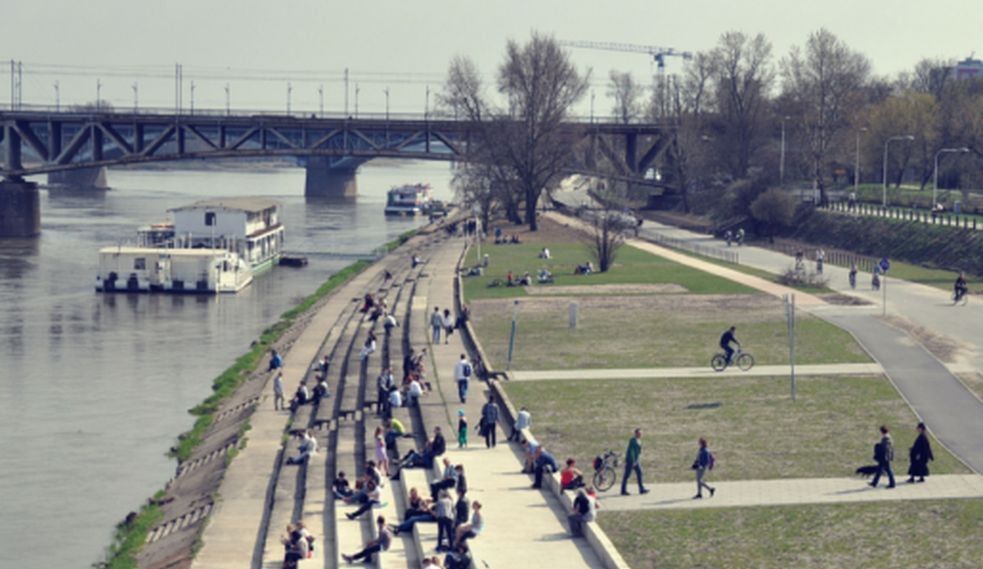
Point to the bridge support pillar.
(324, 181)
(20, 209)
(82, 178)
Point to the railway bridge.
(76, 147)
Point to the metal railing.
(727, 255)
(945, 219)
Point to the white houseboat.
(413, 199)
(212, 246)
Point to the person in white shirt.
(395, 398)
(307, 448)
(414, 392)
(523, 420)
(463, 372)
(279, 403)
(389, 322)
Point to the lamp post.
(136, 97)
(886, 143)
(320, 100)
(781, 161)
(856, 169)
(192, 109)
(935, 176)
(98, 95)
(357, 90)
(290, 90)
(57, 97)
(228, 100)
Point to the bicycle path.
(693, 372)
(781, 492)
(952, 412)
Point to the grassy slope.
(671, 331)
(756, 431)
(888, 535)
(632, 266)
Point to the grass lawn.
(652, 331)
(875, 535)
(754, 428)
(632, 266)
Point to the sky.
(258, 46)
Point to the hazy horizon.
(406, 46)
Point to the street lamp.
(192, 94)
(856, 170)
(57, 97)
(320, 98)
(290, 90)
(886, 143)
(228, 100)
(781, 162)
(357, 91)
(136, 97)
(935, 184)
(98, 95)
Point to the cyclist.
(960, 286)
(725, 341)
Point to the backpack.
(712, 461)
(467, 370)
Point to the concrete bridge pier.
(326, 181)
(20, 209)
(82, 178)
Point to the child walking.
(462, 429)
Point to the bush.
(802, 278)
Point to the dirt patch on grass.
(702, 303)
(844, 299)
(606, 289)
(942, 347)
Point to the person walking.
(436, 324)
(384, 384)
(704, 461)
(523, 420)
(632, 456)
(462, 429)
(445, 521)
(884, 455)
(919, 456)
(279, 403)
(463, 372)
(489, 422)
(448, 323)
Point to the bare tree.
(688, 107)
(627, 95)
(825, 80)
(523, 144)
(606, 236)
(744, 75)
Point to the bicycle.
(605, 470)
(960, 296)
(744, 360)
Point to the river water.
(94, 388)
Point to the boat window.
(139, 264)
(209, 218)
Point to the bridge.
(77, 146)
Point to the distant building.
(969, 68)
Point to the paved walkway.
(524, 527)
(953, 413)
(684, 372)
(233, 538)
(679, 495)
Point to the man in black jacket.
(884, 455)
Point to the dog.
(867, 471)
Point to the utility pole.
(290, 90)
(856, 169)
(98, 95)
(346, 92)
(357, 90)
(320, 99)
(192, 93)
(20, 84)
(426, 105)
(136, 97)
(228, 100)
(57, 97)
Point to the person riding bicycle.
(960, 287)
(726, 340)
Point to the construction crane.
(659, 54)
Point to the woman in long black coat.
(919, 455)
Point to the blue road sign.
(885, 264)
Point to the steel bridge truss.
(38, 143)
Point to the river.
(94, 388)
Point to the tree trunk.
(531, 211)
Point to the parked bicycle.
(605, 470)
(744, 360)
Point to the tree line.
(730, 106)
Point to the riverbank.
(218, 434)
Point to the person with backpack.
(276, 361)
(884, 455)
(704, 461)
(463, 372)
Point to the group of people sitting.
(298, 544)
(501, 239)
(585, 269)
(541, 462)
